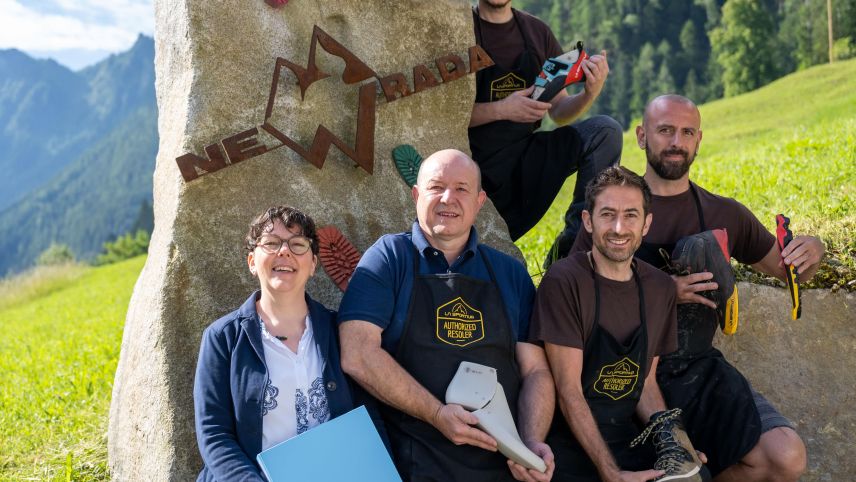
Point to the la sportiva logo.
(617, 380)
(458, 323)
(505, 86)
(246, 145)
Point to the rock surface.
(804, 367)
(214, 65)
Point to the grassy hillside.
(60, 334)
(789, 147)
(61, 327)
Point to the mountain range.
(77, 152)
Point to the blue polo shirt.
(380, 289)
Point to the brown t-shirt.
(676, 217)
(504, 44)
(564, 308)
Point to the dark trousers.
(523, 178)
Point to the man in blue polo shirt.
(421, 302)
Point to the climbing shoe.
(708, 251)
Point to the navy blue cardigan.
(229, 389)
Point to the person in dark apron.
(743, 435)
(452, 300)
(698, 379)
(601, 386)
(524, 170)
(612, 410)
(422, 452)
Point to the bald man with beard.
(742, 434)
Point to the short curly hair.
(289, 217)
(617, 176)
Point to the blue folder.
(347, 448)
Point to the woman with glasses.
(269, 370)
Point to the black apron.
(718, 407)
(613, 376)
(495, 83)
(515, 187)
(452, 318)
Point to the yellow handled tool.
(785, 236)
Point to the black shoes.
(708, 251)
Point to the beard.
(669, 169)
(496, 4)
(615, 254)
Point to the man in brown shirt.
(605, 318)
(743, 435)
(523, 170)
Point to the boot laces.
(670, 453)
(671, 266)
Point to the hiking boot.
(708, 251)
(675, 454)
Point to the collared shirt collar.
(316, 314)
(424, 247)
(248, 309)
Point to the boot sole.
(681, 476)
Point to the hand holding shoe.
(529, 475)
(456, 424)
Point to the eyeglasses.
(296, 244)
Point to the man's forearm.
(807, 264)
(567, 364)
(569, 108)
(485, 113)
(578, 415)
(536, 405)
(376, 371)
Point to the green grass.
(38, 282)
(59, 341)
(789, 147)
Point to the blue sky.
(75, 33)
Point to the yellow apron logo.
(459, 324)
(618, 380)
(505, 86)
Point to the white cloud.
(99, 25)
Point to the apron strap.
(496, 285)
(701, 223)
(480, 38)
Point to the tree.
(803, 31)
(744, 46)
(145, 218)
(692, 89)
(691, 55)
(844, 49)
(665, 84)
(618, 88)
(643, 79)
(125, 247)
(690, 45)
(55, 254)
